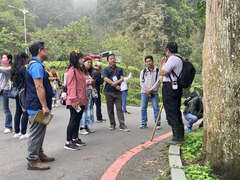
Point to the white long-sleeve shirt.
(4, 77)
(124, 85)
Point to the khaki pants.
(111, 99)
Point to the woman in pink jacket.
(77, 99)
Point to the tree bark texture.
(221, 86)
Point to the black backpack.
(22, 91)
(145, 70)
(187, 75)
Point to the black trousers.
(172, 104)
(97, 101)
(20, 116)
(74, 122)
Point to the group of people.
(82, 88)
(13, 71)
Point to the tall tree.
(12, 26)
(221, 83)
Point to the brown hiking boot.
(44, 158)
(37, 165)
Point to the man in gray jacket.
(150, 83)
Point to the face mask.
(4, 61)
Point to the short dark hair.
(110, 55)
(172, 47)
(148, 57)
(53, 67)
(34, 48)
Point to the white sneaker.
(91, 130)
(84, 132)
(159, 127)
(7, 131)
(24, 136)
(17, 135)
(124, 129)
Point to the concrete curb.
(175, 163)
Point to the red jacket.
(76, 87)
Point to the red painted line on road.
(112, 172)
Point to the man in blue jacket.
(38, 97)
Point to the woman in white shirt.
(4, 88)
(124, 90)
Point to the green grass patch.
(192, 152)
(199, 172)
(192, 146)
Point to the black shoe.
(127, 112)
(71, 146)
(79, 142)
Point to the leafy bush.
(198, 172)
(192, 146)
(192, 151)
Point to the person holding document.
(38, 98)
(77, 99)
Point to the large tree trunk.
(221, 85)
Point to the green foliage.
(57, 64)
(150, 25)
(192, 146)
(192, 151)
(179, 24)
(11, 26)
(134, 70)
(198, 172)
(201, 7)
(61, 42)
(127, 47)
(8, 42)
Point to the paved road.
(103, 148)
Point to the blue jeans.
(87, 117)
(124, 100)
(5, 105)
(191, 119)
(154, 99)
